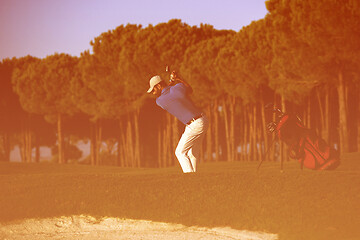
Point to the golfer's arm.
(188, 87)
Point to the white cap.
(153, 81)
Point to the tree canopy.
(297, 48)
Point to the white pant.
(188, 148)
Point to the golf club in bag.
(304, 145)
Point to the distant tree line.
(303, 56)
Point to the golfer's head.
(156, 85)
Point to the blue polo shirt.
(175, 100)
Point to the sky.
(43, 27)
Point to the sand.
(89, 228)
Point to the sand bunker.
(89, 228)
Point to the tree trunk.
(123, 145)
(118, 151)
(159, 149)
(264, 129)
(308, 121)
(60, 139)
(232, 128)
(165, 144)
(259, 139)
(326, 132)
(343, 131)
(23, 145)
(229, 113)
(273, 136)
(242, 134)
(168, 142)
(37, 150)
(130, 144)
(137, 138)
(98, 142)
(358, 128)
(92, 145)
(216, 130)
(6, 146)
(246, 143)
(175, 139)
(254, 135)
(209, 135)
(227, 132)
(28, 146)
(251, 133)
(283, 149)
(124, 153)
(322, 114)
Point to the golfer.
(174, 98)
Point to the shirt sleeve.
(181, 88)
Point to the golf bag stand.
(304, 145)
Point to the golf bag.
(304, 145)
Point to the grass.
(294, 204)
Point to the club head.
(271, 126)
(269, 107)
